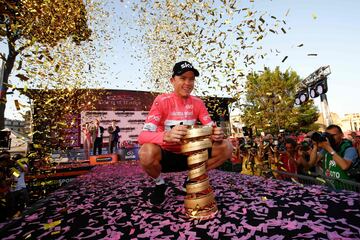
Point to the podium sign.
(103, 159)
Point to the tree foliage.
(270, 103)
(26, 22)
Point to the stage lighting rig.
(313, 86)
(318, 88)
(318, 75)
(301, 97)
(316, 85)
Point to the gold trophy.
(200, 199)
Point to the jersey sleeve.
(150, 132)
(204, 116)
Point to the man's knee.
(149, 154)
(222, 150)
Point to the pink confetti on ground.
(111, 202)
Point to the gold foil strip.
(198, 186)
(197, 172)
(200, 202)
(198, 132)
(196, 145)
(198, 157)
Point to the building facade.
(351, 122)
(15, 125)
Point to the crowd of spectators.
(268, 154)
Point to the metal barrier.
(310, 179)
(318, 179)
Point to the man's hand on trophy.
(218, 134)
(175, 134)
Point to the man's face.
(338, 136)
(289, 147)
(183, 84)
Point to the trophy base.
(204, 214)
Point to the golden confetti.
(207, 35)
(52, 224)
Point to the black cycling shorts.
(172, 162)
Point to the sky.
(328, 28)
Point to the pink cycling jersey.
(169, 110)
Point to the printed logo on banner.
(65, 181)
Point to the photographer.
(303, 157)
(338, 154)
(267, 149)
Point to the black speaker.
(5, 139)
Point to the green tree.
(24, 23)
(270, 102)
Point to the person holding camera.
(337, 153)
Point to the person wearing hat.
(167, 123)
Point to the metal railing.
(309, 179)
(319, 179)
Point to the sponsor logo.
(104, 159)
(149, 127)
(334, 174)
(153, 117)
(65, 181)
(186, 65)
(332, 163)
(189, 106)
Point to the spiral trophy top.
(198, 131)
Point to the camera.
(320, 137)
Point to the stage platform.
(110, 202)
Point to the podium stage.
(110, 202)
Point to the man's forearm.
(342, 163)
(313, 157)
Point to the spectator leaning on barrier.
(338, 154)
(288, 158)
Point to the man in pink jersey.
(167, 123)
